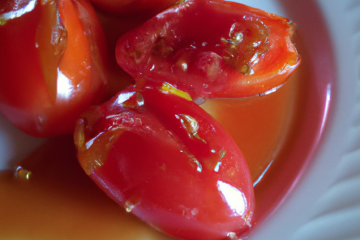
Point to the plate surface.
(325, 202)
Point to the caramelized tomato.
(150, 148)
(163, 158)
(51, 64)
(211, 49)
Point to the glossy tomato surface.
(51, 64)
(163, 158)
(211, 49)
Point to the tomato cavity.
(211, 49)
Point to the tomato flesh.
(163, 158)
(211, 49)
(51, 64)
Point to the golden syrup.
(59, 201)
(259, 125)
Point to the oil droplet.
(94, 152)
(191, 126)
(192, 160)
(22, 174)
(198, 164)
(135, 101)
(214, 162)
(131, 203)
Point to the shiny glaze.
(51, 66)
(167, 161)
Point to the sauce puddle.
(59, 201)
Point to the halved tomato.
(163, 158)
(211, 49)
(51, 64)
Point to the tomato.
(128, 7)
(163, 158)
(51, 64)
(211, 48)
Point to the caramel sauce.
(259, 125)
(59, 201)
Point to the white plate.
(325, 203)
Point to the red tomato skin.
(25, 98)
(189, 187)
(189, 47)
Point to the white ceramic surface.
(325, 203)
